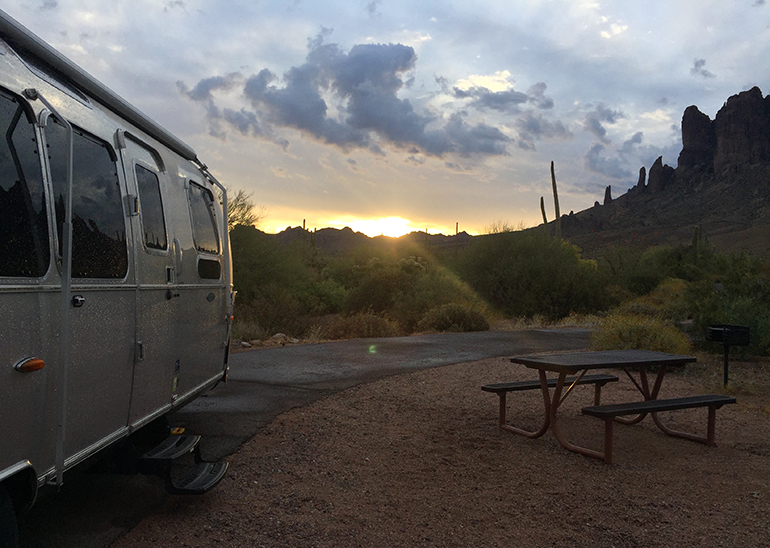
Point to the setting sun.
(386, 226)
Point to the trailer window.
(153, 223)
(99, 247)
(24, 247)
(204, 221)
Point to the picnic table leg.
(546, 413)
(708, 439)
(644, 387)
(555, 402)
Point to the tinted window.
(203, 220)
(98, 225)
(209, 269)
(151, 207)
(24, 247)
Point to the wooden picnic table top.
(573, 362)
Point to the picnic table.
(635, 364)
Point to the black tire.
(9, 531)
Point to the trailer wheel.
(9, 532)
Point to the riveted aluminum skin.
(148, 336)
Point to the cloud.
(350, 100)
(505, 101)
(594, 120)
(609, 167)
(502, 101)
(538, 98)
(371, 7)
(478, 139)
(699, 70)
(533, 127)
(628, 145)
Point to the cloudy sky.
(430, 114)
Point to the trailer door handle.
(78, 301)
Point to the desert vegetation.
(658, 298)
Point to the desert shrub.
(666, 301)
(738, 298)
(363, 325)
(453, 317)
(246, 327)
(531, 273)
(273, 310)
(640, 272)
(627, 331)
(407, 288)
(281, 287)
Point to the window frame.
(203, 253)
(50, 233)
(114, 159)
(151, 250)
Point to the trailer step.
(178, 460)
(201, 479)
(172, 448)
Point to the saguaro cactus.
(555, 203)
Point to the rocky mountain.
(336, 240)
(721, 186)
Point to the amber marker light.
(28, 365)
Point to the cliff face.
(721, 184)
(742, 128)
(698, 142)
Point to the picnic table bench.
(610, 412)
(501, 389)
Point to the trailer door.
(102, 315)
(157, 305)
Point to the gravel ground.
(418, 460)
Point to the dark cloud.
(478, 139)
(371, 7)
(508, 101)
(202, 90)
(364, 84)
(533, 127)
(609, 167)
(595, 119)
(175, 4)
(538, 98)
(502, 101)
(699, 70)
(628, 145)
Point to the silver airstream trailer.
(115, 274)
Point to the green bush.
(524, 274)
(453, 317)
(738, 302)
(666, 301)
(626, 331)
(407, 288)
(281, 287)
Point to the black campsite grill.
(728, 335)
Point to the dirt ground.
(418, 460)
